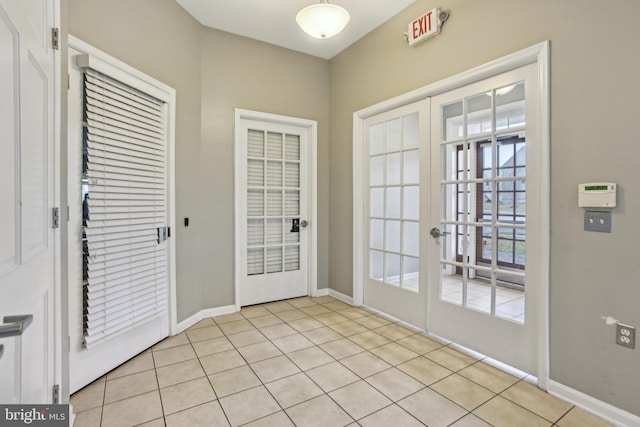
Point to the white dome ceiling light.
(323, 20)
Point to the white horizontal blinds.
(125, 141)
(273, 201)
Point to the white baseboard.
(320, 293)
(202, 314)
(340, 296)
(602, 409)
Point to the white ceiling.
(274, 21)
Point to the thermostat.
(597, 195)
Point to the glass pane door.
(394, 179)
(479, 288)
(483, 193)
(273, 229)
(273, 202)
(394, 149)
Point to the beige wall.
(213, 73)
(595, 93)
(238, 72)
(594, 102)
(137, 34)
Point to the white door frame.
(60, 282)
(312, 133)
(538, 54)
(124, 72)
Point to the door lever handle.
(435, 232)
(14, 326)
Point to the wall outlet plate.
(625, 335)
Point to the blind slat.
(121, 141)
(105, 83)
(105, 107)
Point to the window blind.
(125, 138)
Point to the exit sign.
(424, 27)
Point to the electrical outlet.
(625, 335)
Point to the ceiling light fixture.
(323, 20)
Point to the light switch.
(597, 221)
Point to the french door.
(454, 202)
(483, 217)
(273, 221)
(397, 210)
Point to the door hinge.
(56, 394)
(55, 38)
(55, 217)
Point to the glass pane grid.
(255, 143)
(292, 258)
(273, 164)
(274, 259)
(483, 190)
(394, 176)
(292, 147)
(274, 145)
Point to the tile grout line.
(217, 399)
(155, 371)
(262, 384)
(304, 372)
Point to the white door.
(118, 261)
(484, 265)
(273, 219)
(396, 152)
(27, 190)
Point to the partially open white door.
(27, 183)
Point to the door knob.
(435, 232)
(304, 223)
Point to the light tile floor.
(313, 362)
(509, 302)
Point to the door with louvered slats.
(121, 225)
(274, 212)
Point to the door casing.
(538, 54)
(311, 127)
(122, 71)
